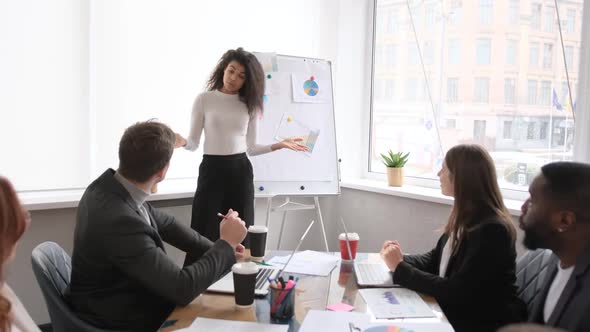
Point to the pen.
(271, 282)
(261, 263)
(221, 215)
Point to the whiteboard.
(298, 102)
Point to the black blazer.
(121, 276)
(572, 310)
(478, 292)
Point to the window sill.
(63, 199)
(185, 188)
(415, 192)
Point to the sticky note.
(340, 307)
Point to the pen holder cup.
(282, 303)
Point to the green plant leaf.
(395, 160)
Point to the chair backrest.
(52, 267)
(531, 272)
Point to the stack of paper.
(388, 303)
(221, 325)
(307, 262)
(330, 321)
(336, 321)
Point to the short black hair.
(568, 185)
(145, 148)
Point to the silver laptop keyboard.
(263, 274)
(371, 273)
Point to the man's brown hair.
(145, 149)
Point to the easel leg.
(281, 232)
(268, 207)
(319, 213)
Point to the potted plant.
(395, 163)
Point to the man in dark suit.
(557, 217)
(121, 276)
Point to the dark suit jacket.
(572, 311)
(121, 276)
(478, 292)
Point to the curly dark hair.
(252, 91)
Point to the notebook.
(226, 284)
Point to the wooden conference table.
(312, 292)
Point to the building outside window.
(513, 12)
(549, 19)
(484, 51)
(532, 92)
(545, 98)
(479, 130)
(507, 130)
(509, 91)
(454, 51)
(536, 16)
(547, 55)
(485, 11)
(533, 54)
(511, 52)
(482, 90)
(452, 90)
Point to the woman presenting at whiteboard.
(228, 113)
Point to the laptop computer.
(373, 275)
(226, 284)
(370, 274)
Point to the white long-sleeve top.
(228, 127)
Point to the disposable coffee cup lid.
(351, 237)
(258, 229)
(245, 268)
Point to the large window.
(499, 78)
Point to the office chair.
(52, 267)
(531, 272)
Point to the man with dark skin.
(557, 217)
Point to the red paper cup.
(353, 239)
